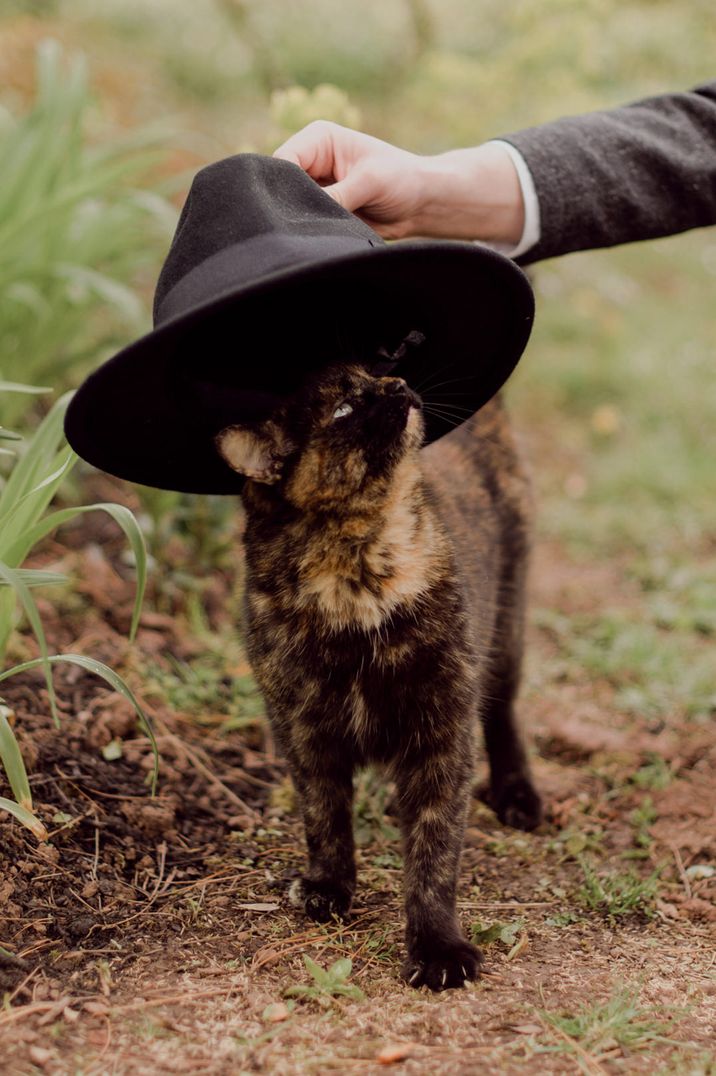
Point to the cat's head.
(341, 436)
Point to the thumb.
(352, 192)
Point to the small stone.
(40, 1056)
(49, 853)
(276, 1012)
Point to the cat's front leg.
(324, 782)
(433, 798)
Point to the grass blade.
(11, 758)
(11, 576)
(121, 515)
(109, 676)
(28, 819)
(35, 577)
(15, 386)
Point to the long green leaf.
(112, 678)
(35, 577)
(33, 503)
(40, 459)
(121, 515)
(11, 758)
(11, 576)
(28, 819)
(15, 386)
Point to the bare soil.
(150, 934)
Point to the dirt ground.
(154, 935)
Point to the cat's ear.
(257, 452)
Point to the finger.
(353, 192)
(313, 149)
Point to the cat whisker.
(436, 373)
(427, 387)
(449, 419)
(444, 417)
(440, 402)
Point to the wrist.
(472, 193)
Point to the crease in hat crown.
(222, 211)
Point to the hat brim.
(150, 414)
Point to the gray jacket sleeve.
(638, 172)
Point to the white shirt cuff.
(531, 231)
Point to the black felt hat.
(267, 279)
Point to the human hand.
(379, 182)
(462, 194)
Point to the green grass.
(617, 894)
(78, 223)
(628, 330)
(596, 1031)
(203, 690)
(656, 671)
(655, 774)
(372, 795)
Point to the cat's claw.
(450, 969)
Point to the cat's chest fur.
(356, 621)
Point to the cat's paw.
(320, 900)
(442, 965)
(516, 802)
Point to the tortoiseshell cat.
(385, 601)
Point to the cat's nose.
(392, 385)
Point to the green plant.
(205, 687)
(41, 464)
(488, 934)
(369, 805)
(617, 895)
(73, 230)
(296, 106)
(642, 818)
(327, 983)
(655, 774)
(592, 1031)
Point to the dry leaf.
(388, 1055)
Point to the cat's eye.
(342, 410)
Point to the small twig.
(51, 1009)
(680, 868)
(21, 986)
(173, 999)
(508, 904)
(192, 756)
(158, 890)
(95, 862)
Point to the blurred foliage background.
(103, 129)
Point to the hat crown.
(245, 196)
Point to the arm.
(638, 172)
